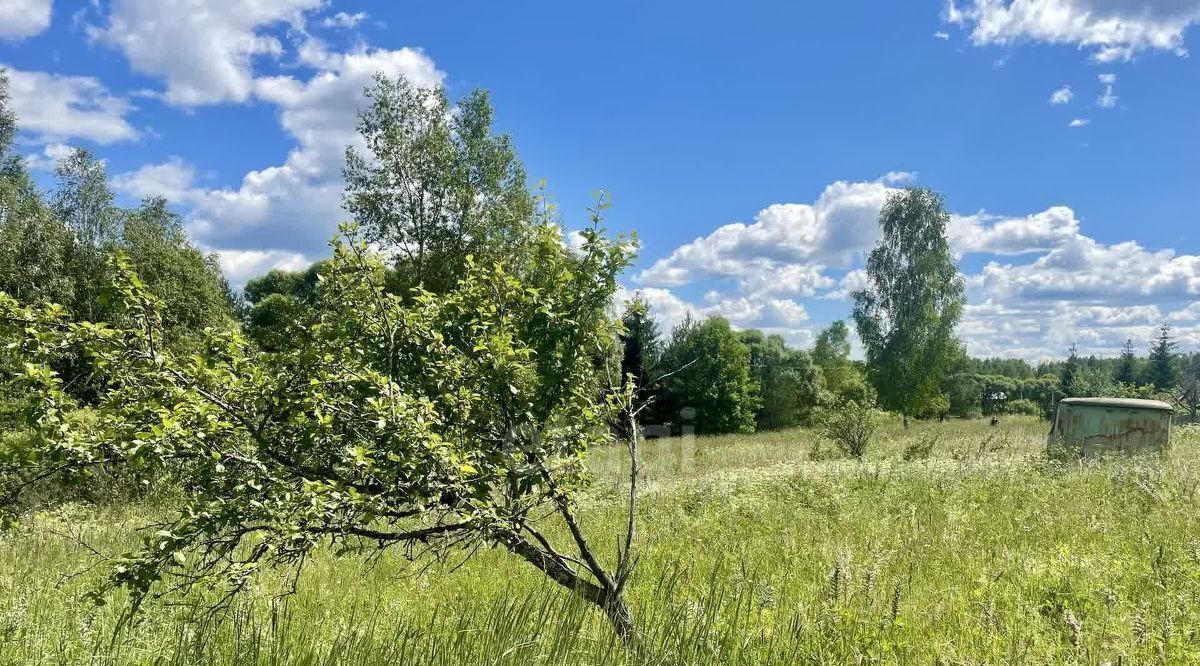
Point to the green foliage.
(1005, 367)
(1127, 371)
(978, 394)
(641, 345)
(965, 392)
(1189, 395)
(1070, 376)
(278, 302)
(711, 378)
(84, 202)
(435, 185)
(300, 285)
(188, 284)
(276, 321)
(35, 246)
(439, 420)
(789, 382)
(58, 252)
(1162, 360)
(841, 377)
(906, 317)
(1024, 406)
(935, 407)
(857, 387)
(1097, 382)
(1126, 375)
(832, 350)
(851, 425)
(8, 119)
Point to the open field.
(753, 550)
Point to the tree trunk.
(621, 620)
(613, 604)
(904, 414)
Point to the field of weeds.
(949, 543)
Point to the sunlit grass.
(753, 551)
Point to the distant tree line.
(998, 386)
(705, 377)
(437, 189)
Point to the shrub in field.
(921, 447)
(851, 425)
(1026, 407)
(425, 423)
(936, 406)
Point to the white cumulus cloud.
(240, 266)
(23, 18)
(1086, 271)
(203, 49)
(833, 230)
(171, 179)
(58, 107)
(1010, 236)
(1111, 29)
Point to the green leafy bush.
(429, 422)
(1026, 407)
(851, 425)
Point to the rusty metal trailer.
(1091, 427)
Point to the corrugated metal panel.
(1090, 429)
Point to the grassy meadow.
(951, 543)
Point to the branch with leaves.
(430, 424)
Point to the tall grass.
(754, 550)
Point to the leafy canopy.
(434, 185)
(438, 421)
(789, 383)
(907, 314)
(709, 379)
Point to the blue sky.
(749, 144)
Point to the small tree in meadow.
(851, 425)
(907, 314)
(427, 424)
